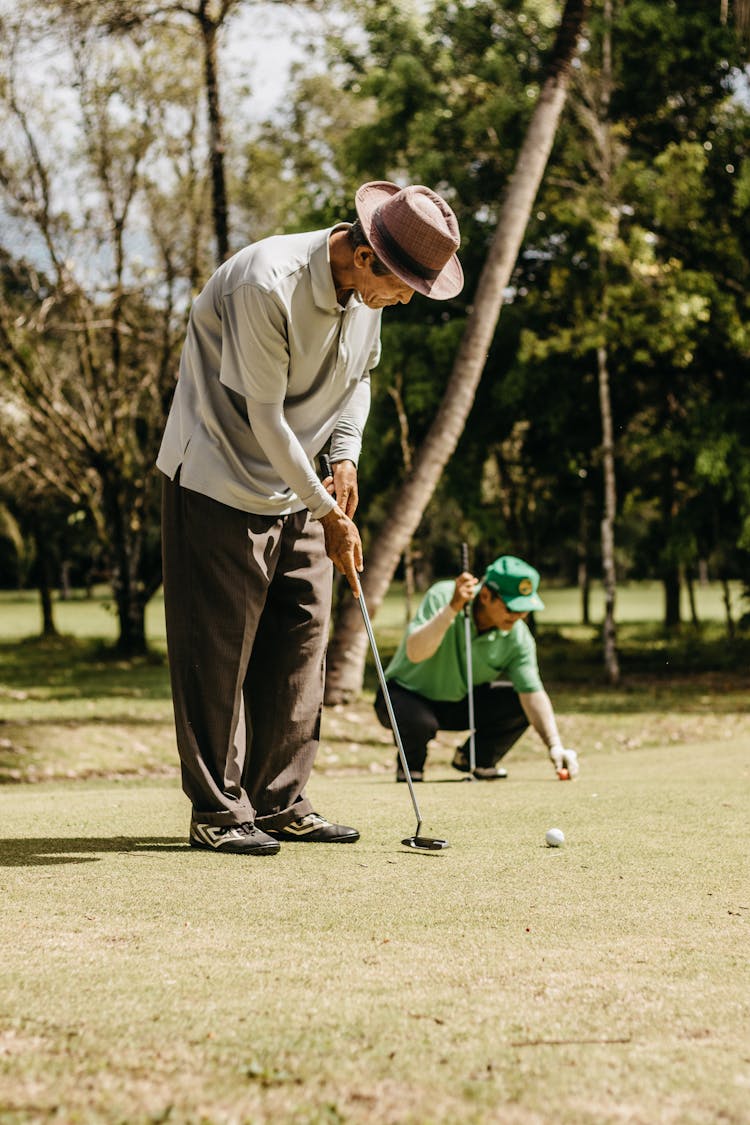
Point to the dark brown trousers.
(247, 601)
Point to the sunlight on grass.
(144, 983)
(70, 708)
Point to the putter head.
(425, 843)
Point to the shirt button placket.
(343, 352)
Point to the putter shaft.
(416, 841)
(427, 843)
(469, 671)
(389, 707)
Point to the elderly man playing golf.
(429, 680)
(275, 368)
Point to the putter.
(469, 671)
(418, 841)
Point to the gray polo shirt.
(272, 367)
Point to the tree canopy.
(109, 192)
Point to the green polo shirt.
(493, 655)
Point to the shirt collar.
(324, 291)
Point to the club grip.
(465, 567)
(325, 465)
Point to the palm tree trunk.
(348, 649)
(609, 574)
(727, 599)
(45, 568)
(611, 662)
(584, 580)
(690, 587)
(396, 393)
(216, 136)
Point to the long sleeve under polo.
(272, 368)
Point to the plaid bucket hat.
(415, 233)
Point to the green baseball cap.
(515, 582)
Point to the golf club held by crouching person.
(475, 670)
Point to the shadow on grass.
(72, 667)
(44, 852)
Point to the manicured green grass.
(496, 982)
(79, 616)
(94, 616)
(70, 709)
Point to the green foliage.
(639, 242)
(450, 95)
(644, 256)
(91, 323)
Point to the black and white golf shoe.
(237, 839)
(481, 773)
(489, 773)
(316, 829)
(416, 775)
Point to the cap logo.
(525, 587)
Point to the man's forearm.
(284, 452)
(346, 439)
(538, 709)
(424, 641)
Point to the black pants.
(499, 721)
(247, 601)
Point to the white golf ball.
(555, 837)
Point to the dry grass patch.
(498, 982)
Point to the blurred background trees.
(635, 256)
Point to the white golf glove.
(564, 760)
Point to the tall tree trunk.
(671, 576)
(609, 574)
(45, 578)
(131, 616)
(348, 649)
(131, 605)
(209, 29)
(741, 14)
(727, 597)
(690, 585)
(396, 393)
(126, 539)
(672, 590)
(49, 629)
(584, 587)
(584, 578)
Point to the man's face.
(497, 612)
(378, 291)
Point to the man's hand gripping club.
(343, 544)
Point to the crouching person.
(428, 682)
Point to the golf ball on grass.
(563, 774)
(555, 837)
